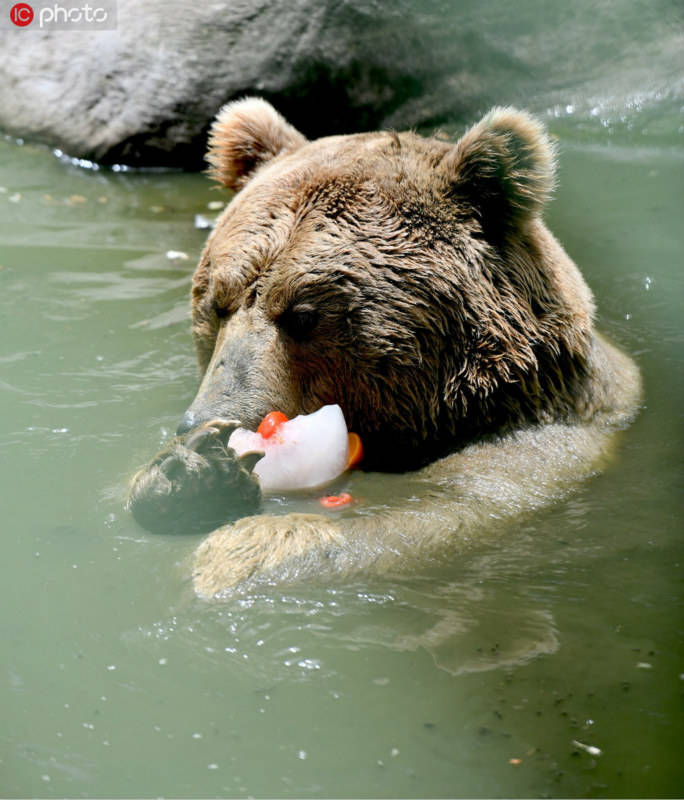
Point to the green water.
(116, 681)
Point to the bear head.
(410, 280)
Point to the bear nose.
(187, 423)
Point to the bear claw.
(251, 459)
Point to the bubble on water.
(309, 663)
(177, 255)
(202, 223)
(302, 755)
(84, 163)
(588, 748)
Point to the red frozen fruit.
(336, 500)
(270, 424)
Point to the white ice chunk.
(304, 453)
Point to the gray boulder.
(145, 92)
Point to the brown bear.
(413, 282)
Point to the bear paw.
(196, 484)
(264, 547)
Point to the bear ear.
(244, 135)
(504, 166)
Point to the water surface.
(476, 678)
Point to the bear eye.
(221, 311)
(298, 321)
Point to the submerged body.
(413, 283)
